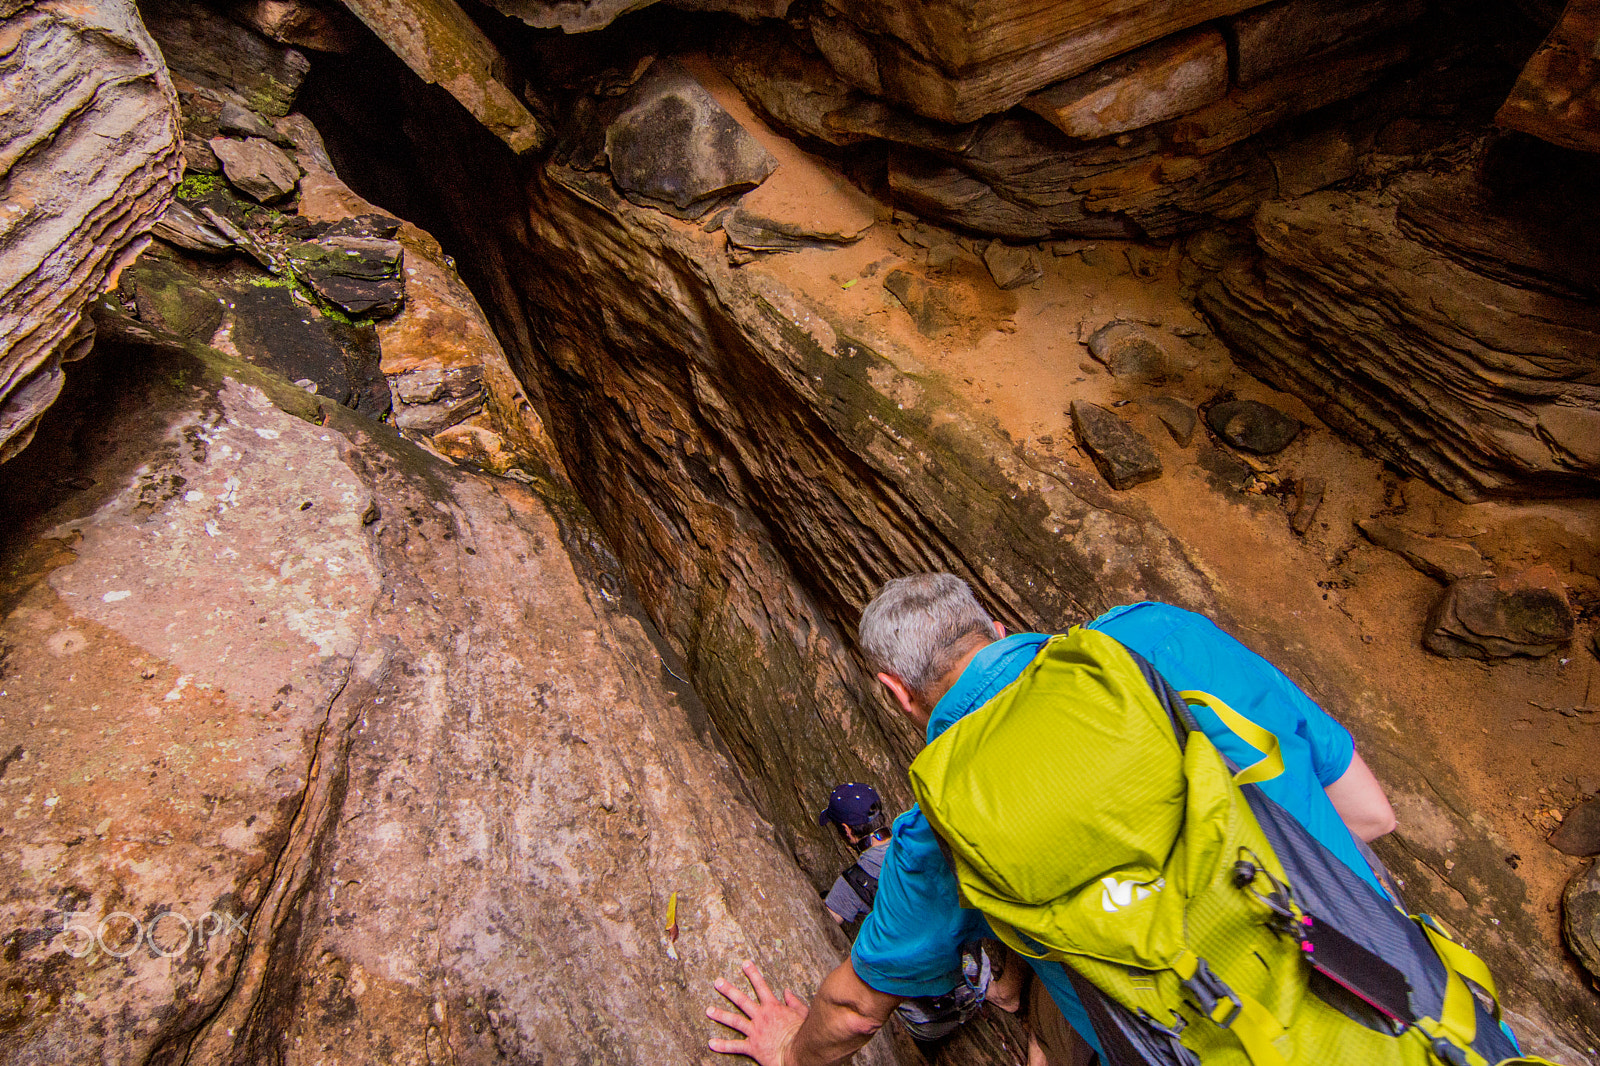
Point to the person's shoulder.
(872, 859)
(915, 845)
(1147, 620)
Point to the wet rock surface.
(1486, 617)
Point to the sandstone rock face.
(440, 329)
(786, 526)
(1462, 351)
(205, 47)
(1558, 95)
(346, 815)
(301, 23)
(1149, 142)
(761, 468)
(1274, 37)
(1153, 84)
(443, 46)
(579, 16)
(1580, 911)
(958, 60)
(88, 157)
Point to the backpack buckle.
(1173, 1031)
(1212, 995)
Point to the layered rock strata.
(88, 159)
(1462, 352)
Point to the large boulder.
(675, 146)
(1496, 618)
(1451, 330)
(284, 800)
(89, 149)
(1580, 917)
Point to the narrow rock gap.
(720, 319)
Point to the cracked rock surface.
(323, 750)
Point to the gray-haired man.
(941, 656)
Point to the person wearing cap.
(857, 813)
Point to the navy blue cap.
(850, 805)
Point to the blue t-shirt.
(910, 944)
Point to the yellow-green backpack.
(1092, 822)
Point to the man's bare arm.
(1361, 802)
(841, 1018)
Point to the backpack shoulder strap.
(864, 884)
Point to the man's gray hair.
(912, 627)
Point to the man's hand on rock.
(768, 1023)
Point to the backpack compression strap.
(1270, 764)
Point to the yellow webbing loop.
(1458, 960)
(1256, 1029)
(1458, 1017)
(1270, 764)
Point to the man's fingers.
(734, 995)
(740, 1022)
(795, 1003)
(727, 1047)
(759, 983)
